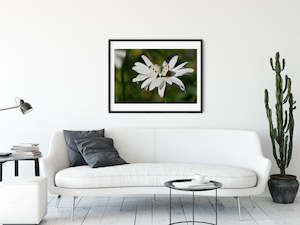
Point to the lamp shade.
(25, 107)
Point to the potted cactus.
(283, 187)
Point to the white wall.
(54, 54)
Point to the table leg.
(16, 168)
(37, 167)
(1, 171)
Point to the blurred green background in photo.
(127, 91)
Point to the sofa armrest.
(56, 160)
(263, 168)
(49, 170)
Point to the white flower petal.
(141, 69)
(161, 89)
(151, 86)
(178, 82)
(140, 64)
(146, 60)
(146, 83)
(155, 83)
(139, 77)
(169, 81)
(173, 61)
(182, 72)
(164, 63)
(180, 66)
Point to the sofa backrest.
(226, 147)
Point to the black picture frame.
(150, 40)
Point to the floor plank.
(144, 214)
(256, 213)
(161, 210)
(284, 214)
(118, 211)
(230, 211)
(147, 210)
(203, 209)
(62, 216)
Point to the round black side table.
(215, 186)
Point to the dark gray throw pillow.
(74, 155)
(99, 152)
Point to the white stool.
(23, 200)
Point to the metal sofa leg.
(58, 198)
(238, 206)
(252, 201)
(73, 207)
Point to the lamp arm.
(13, 107)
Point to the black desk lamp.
(24, 106)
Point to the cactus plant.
(282, 134)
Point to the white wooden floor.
(147, 210)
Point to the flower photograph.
(158, 76)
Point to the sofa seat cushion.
(151, 174)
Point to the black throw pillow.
(74, 155)
(99, 152)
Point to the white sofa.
(232, 157)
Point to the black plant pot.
(283, 189)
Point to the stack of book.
(26, 149)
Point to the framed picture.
(155, 76)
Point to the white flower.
(119, 57)
(155, 76)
